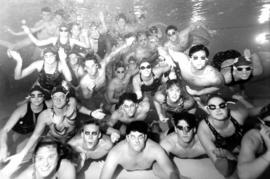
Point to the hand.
(265, 133)
(163, 118)
(4, 153)
(115, 136)
(130, 40)
(238, 97)
(14, 54)
(98, 114)
(191, 91)
(62, 54)
(223, 153)
(247, 53)
(26, 29)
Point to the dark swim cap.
(242, 61)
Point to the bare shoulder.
(253, 136)
(153, 147)
(168, 142)
(203, 128)
(106, 142)
(75, 141)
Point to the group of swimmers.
(134, 96)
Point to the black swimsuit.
(27, 123)
(230, 142)
(152, 87)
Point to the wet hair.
(94, 58)
(170, 83)
(46, 9)
(144, 60)
(216, 95)
(90, 120)
(141, 33)
(222, 56)
(242, 61)
(121, 16)
(127, 96)
(170, 27)
(36, 88)
(119, 65)
(60, 88)
(137, 126)
(189, 118)
(60, 12)
(153, 30)
(197, 48)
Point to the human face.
(172, 35)
(49, 58)
(184, 131)
(63, 31)
(153, 42)
(46, 160)
(217, 108)
(145, 69)
(91, 67)
(36, 98)
(143, 40)
(243, 72)
(120, 73)
(121, 22)
(90, 135)
(136, 140)
(129, 107)
(46, 16)
(198, 60)
(59, 100)
(73, 58)
(75, 30)
(174, 93)
(94, 33)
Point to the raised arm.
(18, 72)
(64, 67)
(37, 42)
(110, 165)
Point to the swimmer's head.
(243, 68)
(242, 61)
(91, 64)
(136, 135)
(91, 133)
(198, 57)
(198, 48)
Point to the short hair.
(127, 96)
(242, 61)
(46, 9)
(119, 64)
(175, 82)
(121, 16)
(94, 58)
(197, 48)
(36, 88)
(141, 33)
(171, 27)
(215, 95)
(137, 126)
(90, 121)
(189, 118)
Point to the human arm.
(159, 99)
(13, 119)
(249, 165)
(111, 91)
(18, 72)
(64, 67)
(223, 160)
(110, 165)
(136, 83)
(66, 170)
(164, 164)
(256, 62)
(37, 42)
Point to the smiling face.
(199, 60)
(59, 100)
(243, 71)
(129, 108)
(217, 108)
(136, 140)
(172, 35)
(46, 160)
(49, 57)
(174, 93)
(184, 132)
(36, 98)
(91, 136)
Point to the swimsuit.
(230, 142)
(27, 123)
(152, 87)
